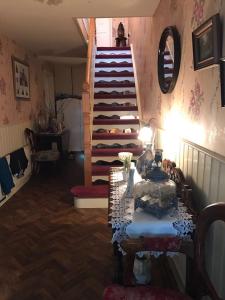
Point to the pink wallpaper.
(14, 111)
(193, 110)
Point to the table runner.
(122, 213)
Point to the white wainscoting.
(205, 171)
(12, 138)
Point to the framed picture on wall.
(222, 78)
(21, 79)
(206, 41)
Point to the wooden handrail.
(136, 84)
(91, 41)
(83, 28)
(87, 102)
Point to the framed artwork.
(222, 78)
(21, 79)
(206, 41)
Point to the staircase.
(115, 112)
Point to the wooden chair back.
(210, 214)
(29, 134)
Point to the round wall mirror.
(169, 59)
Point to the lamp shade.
(146, 135)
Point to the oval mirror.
(169, 59)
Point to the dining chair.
(38, 157)
(202, 284)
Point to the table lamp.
(144, 161)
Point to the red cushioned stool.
(95, 196)
(117, 292)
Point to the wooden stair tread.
(118, 84)
(114, 74)
(113, 48)
(115, 121)
(114, 96)
(100, 170)
(93, 191)
(114, 65)
(113, 136)
(109, 56)
(115, 151)
(115, 108)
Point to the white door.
(104, 32)
(73, 120)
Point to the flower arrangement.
(125, 157)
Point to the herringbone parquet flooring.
(49, 250)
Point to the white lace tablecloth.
(128, 223)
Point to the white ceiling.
(48, 28)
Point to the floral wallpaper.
(14, 111)
(197, 15)
(195, 101)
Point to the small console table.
(167, 235)
(44, 141)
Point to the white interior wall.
(104, 32)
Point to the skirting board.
(90, 202)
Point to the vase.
(125, 174)
(42, 122)
(141, 268)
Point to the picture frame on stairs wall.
(222, 81)
(21, 79)
(206, 42)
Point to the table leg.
(128, 264)
(118, 263)
(190, 276)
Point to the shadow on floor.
(48, 249)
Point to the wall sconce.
(147, 136)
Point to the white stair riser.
(109, 60)
(108, 79)
(134, 126)
(103, 177)
(114, 52)
(118, 113)
(121, 142)
(90, 202)
(129, 69)
(108, 158)
(118, 100)
(118, 89)
(168, 66)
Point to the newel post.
(87, 133)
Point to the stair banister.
(88, 102)
(136, 84)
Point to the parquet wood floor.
(49, 250)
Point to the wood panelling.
(205, 170)
(12, 137)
